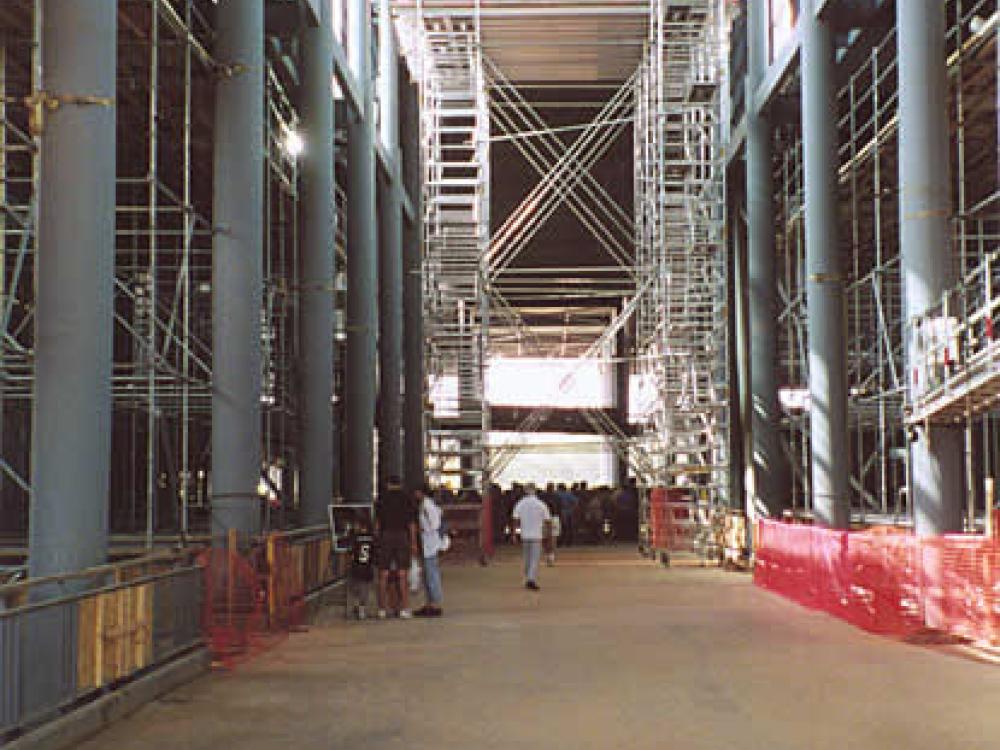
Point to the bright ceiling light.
(294, 144)
(978, 25)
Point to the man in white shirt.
(429, 516)
(534, 516)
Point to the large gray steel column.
(237, 269)
(74, 272)
(390, 349)
(770, 486)
(825, 281)
(413, 295)
(928, 267)
(319, 455)
(362, 271)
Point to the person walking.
(396, 530)
(534, 517)
(431, 542)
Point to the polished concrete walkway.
(614, 652)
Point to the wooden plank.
(86, 644)
(142, 625)
(298, 570)
(273, 578)
(100, 647)
(324, 561)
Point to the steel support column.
(770, 486)
(413, 296)
(319, 453)
(390, 349)
(928, 265)
(237, 269)
(362, 271)
(74, 272)
(825, 282)
(71, 435)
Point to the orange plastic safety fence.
(891, 583)
(234, 617)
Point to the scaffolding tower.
(455, 136)
(162, 370)
(955, 384)
(680, 252)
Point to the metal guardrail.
(114, 622)
(107, 625)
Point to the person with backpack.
(433, 540)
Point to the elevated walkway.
(614, 652)
(955, 352)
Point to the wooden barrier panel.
(114, 636)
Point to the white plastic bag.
(415, 576)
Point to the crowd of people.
(407, 534)
(583, 514)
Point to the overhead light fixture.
(978, 25)
(294, 145)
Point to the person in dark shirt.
(396, 532)
(566, 510)
(362, 573)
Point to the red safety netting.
(234, 609)
(671, 519)
(885, 581)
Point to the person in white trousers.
(534, 517)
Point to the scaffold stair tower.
(680, 245)
(456, 200)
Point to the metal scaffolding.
(681, 330)
(455, 133)
(954, 382)
(163, 280)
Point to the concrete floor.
(615, 652)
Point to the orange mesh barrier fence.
(254, 597)
(891, 583)
(234, 619)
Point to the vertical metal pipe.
(186, 482)
(739, 458)
(318, 269)
(390, 425)
(825, 283)
(362, 270)
(413, 295)
(153, 189)
(769, 478)
(237, 269)
(620, 375)
(928, 268)
(74, 272)
(3, 256)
